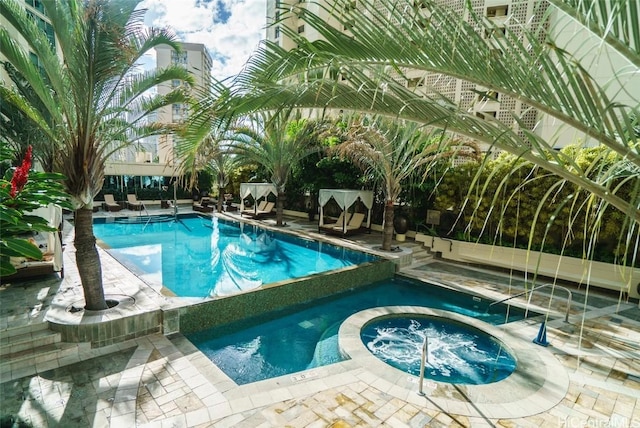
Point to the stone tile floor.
(160, 381)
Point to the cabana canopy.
(257, 190)
(345, 198)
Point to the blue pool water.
(202, 256)
(457, 353)
(305, 337)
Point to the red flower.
(21, 174)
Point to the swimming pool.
(306, 336)
(207, 257)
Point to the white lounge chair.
(268, 210)
(342, 219)
(354, 225)
(133, 203)
(251, 211)
(110, 204)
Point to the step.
(422, 255)
(42, 358)
(21, 342)
(18, 331)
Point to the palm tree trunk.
(88, 261)
(220, 198)
(387, 235)
(280, 208)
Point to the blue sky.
(230, 29)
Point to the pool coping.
(538, 383)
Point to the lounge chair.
(204, 206)
(267, 211)
(354, 226)
(110, 204)
(342, 219)
(251, 211)
(133, 203)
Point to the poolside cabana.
(257, 191)
(345, 199)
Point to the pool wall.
(212, 313)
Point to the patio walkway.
(163, 381)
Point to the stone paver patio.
(164, 381)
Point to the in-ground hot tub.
(456, 353)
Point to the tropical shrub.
(517, 203)
(22, 191)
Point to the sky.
(230, 29)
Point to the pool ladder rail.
(569, 298)
(424, 359)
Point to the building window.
(300, 29)
(495, 11)
(179, 112)
(36, 4)
(489, 96)
(486, 114)
(351, 6)
(420, 4)
(36, 61)
(178, 58)
(277, 32)
(415, 82)
(349, 24)
(175, 83)
(44, 26)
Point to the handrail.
(433, 242)
(423, 360)
(148, 216)
(569, 298)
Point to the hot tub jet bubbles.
(457, 353)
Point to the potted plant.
(311, 211)
(400, 225)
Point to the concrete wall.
(603, 275)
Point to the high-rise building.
(35, 10)
(195, 58)
(507, 16)
(154, 156)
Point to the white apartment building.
(35, 9)
(195, 58)
(601, 62)
(155, 155)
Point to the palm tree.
(278, 145)
(362, 71)
(392, 151)
(206, 153)
(90, 100)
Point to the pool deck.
(588, 376)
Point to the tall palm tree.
(392, 151)
(362, 70)
(278, 145)
(91, 101)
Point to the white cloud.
(230, 29)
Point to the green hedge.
(503, 205)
